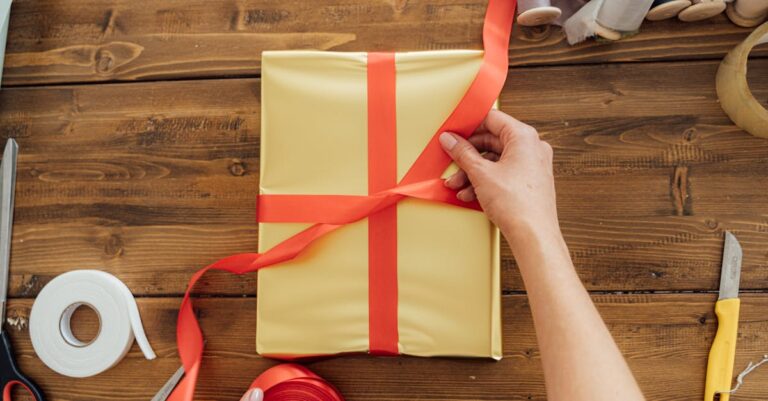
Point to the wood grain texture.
(152, 181)
(118, 40)
(666, 339)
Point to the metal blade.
(7, 189)
(730, 273)
(168, 387)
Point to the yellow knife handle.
(723, 351)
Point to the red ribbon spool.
(291, 382)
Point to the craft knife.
(723, 351)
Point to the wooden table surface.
(138, 124)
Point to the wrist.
(528, 235)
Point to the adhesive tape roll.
(733, 90)
(52, 337)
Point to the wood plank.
(151, 260)
(611, 254)
(665, 338)
(163, 177)
(120, 40)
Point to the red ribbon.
(382, 225)
(291, 382)
(331, 212)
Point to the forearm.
(580, 358)
(515, 186)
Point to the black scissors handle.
(10, 375)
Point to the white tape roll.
(119, 319)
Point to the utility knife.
(723, 351)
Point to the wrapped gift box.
(314, 140)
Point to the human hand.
(512, 180)
(254, 394)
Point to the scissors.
(168, 387)
(10, 375)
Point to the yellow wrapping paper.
(314, 141)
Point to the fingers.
(254, 394)
(548, 151)
(467, 194)
(486, 142)
(506, 127)
(497, 121)
(549, 156)
(460, 180)
(457, 181)
(463, 153)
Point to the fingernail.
(466, 195)
(449, 181)
(254, 394)
(257, 395)
(447, 141)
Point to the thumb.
(254, 394)
(462, 152)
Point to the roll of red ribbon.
(291, 382)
